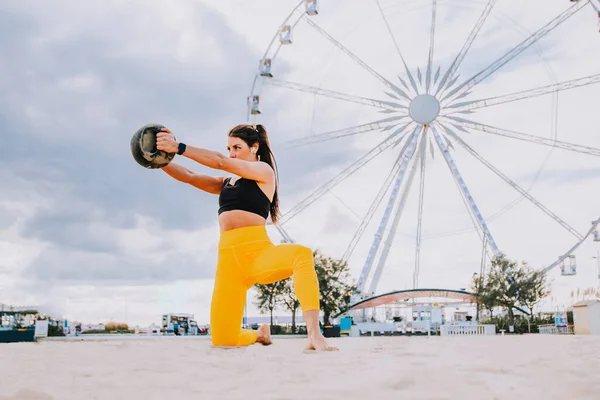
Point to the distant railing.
(421, 326)
(552, 329)
(373, 327)
(464, 330)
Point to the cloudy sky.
(87, 234)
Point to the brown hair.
(258, 134)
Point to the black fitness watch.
(181, 148)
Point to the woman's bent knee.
(305, 253)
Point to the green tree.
(486, 294)
(335, 289)
(510, 284)
(268, 297)
(535, 288)
(504, 281)
(290, 301)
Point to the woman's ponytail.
(266, 155)
(257, 133)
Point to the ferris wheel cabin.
(285, 35)
(312, 8)
(253, 103)
(265, 68)
(568, 266)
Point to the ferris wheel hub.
(424, 109)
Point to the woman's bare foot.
(316, 341)
(264, 335)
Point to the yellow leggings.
(246, 257)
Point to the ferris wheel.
(409, 86)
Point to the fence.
(464, 330)
(552, 329)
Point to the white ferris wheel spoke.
(511, 54)
(449, 76)
(389, 29)
(525, 94)
(385, 124)
(361, 162)
(385, 105)
(431, 44)
(512, 183)
(286, 237)
(465, 123)
(358, 60)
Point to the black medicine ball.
(143, 148)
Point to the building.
(586, 317)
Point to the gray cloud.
(7, 218)
(86, 156)
(70, 228)
(56, 264)
(74, 86)
(68, 113)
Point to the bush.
(521, 324)
(54, 330)
(116, 327)
(301, 330)
(277, 330)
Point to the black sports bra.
(244, 195)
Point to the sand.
(485, 367)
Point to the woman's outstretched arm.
(257, 171)
(207, 183)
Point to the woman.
(246, 254)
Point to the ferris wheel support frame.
(465, 191)
(398, 214)
(378, 198)
(420, 212)
(407, 155)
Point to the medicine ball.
(143, 148)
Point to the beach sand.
(484, 367)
